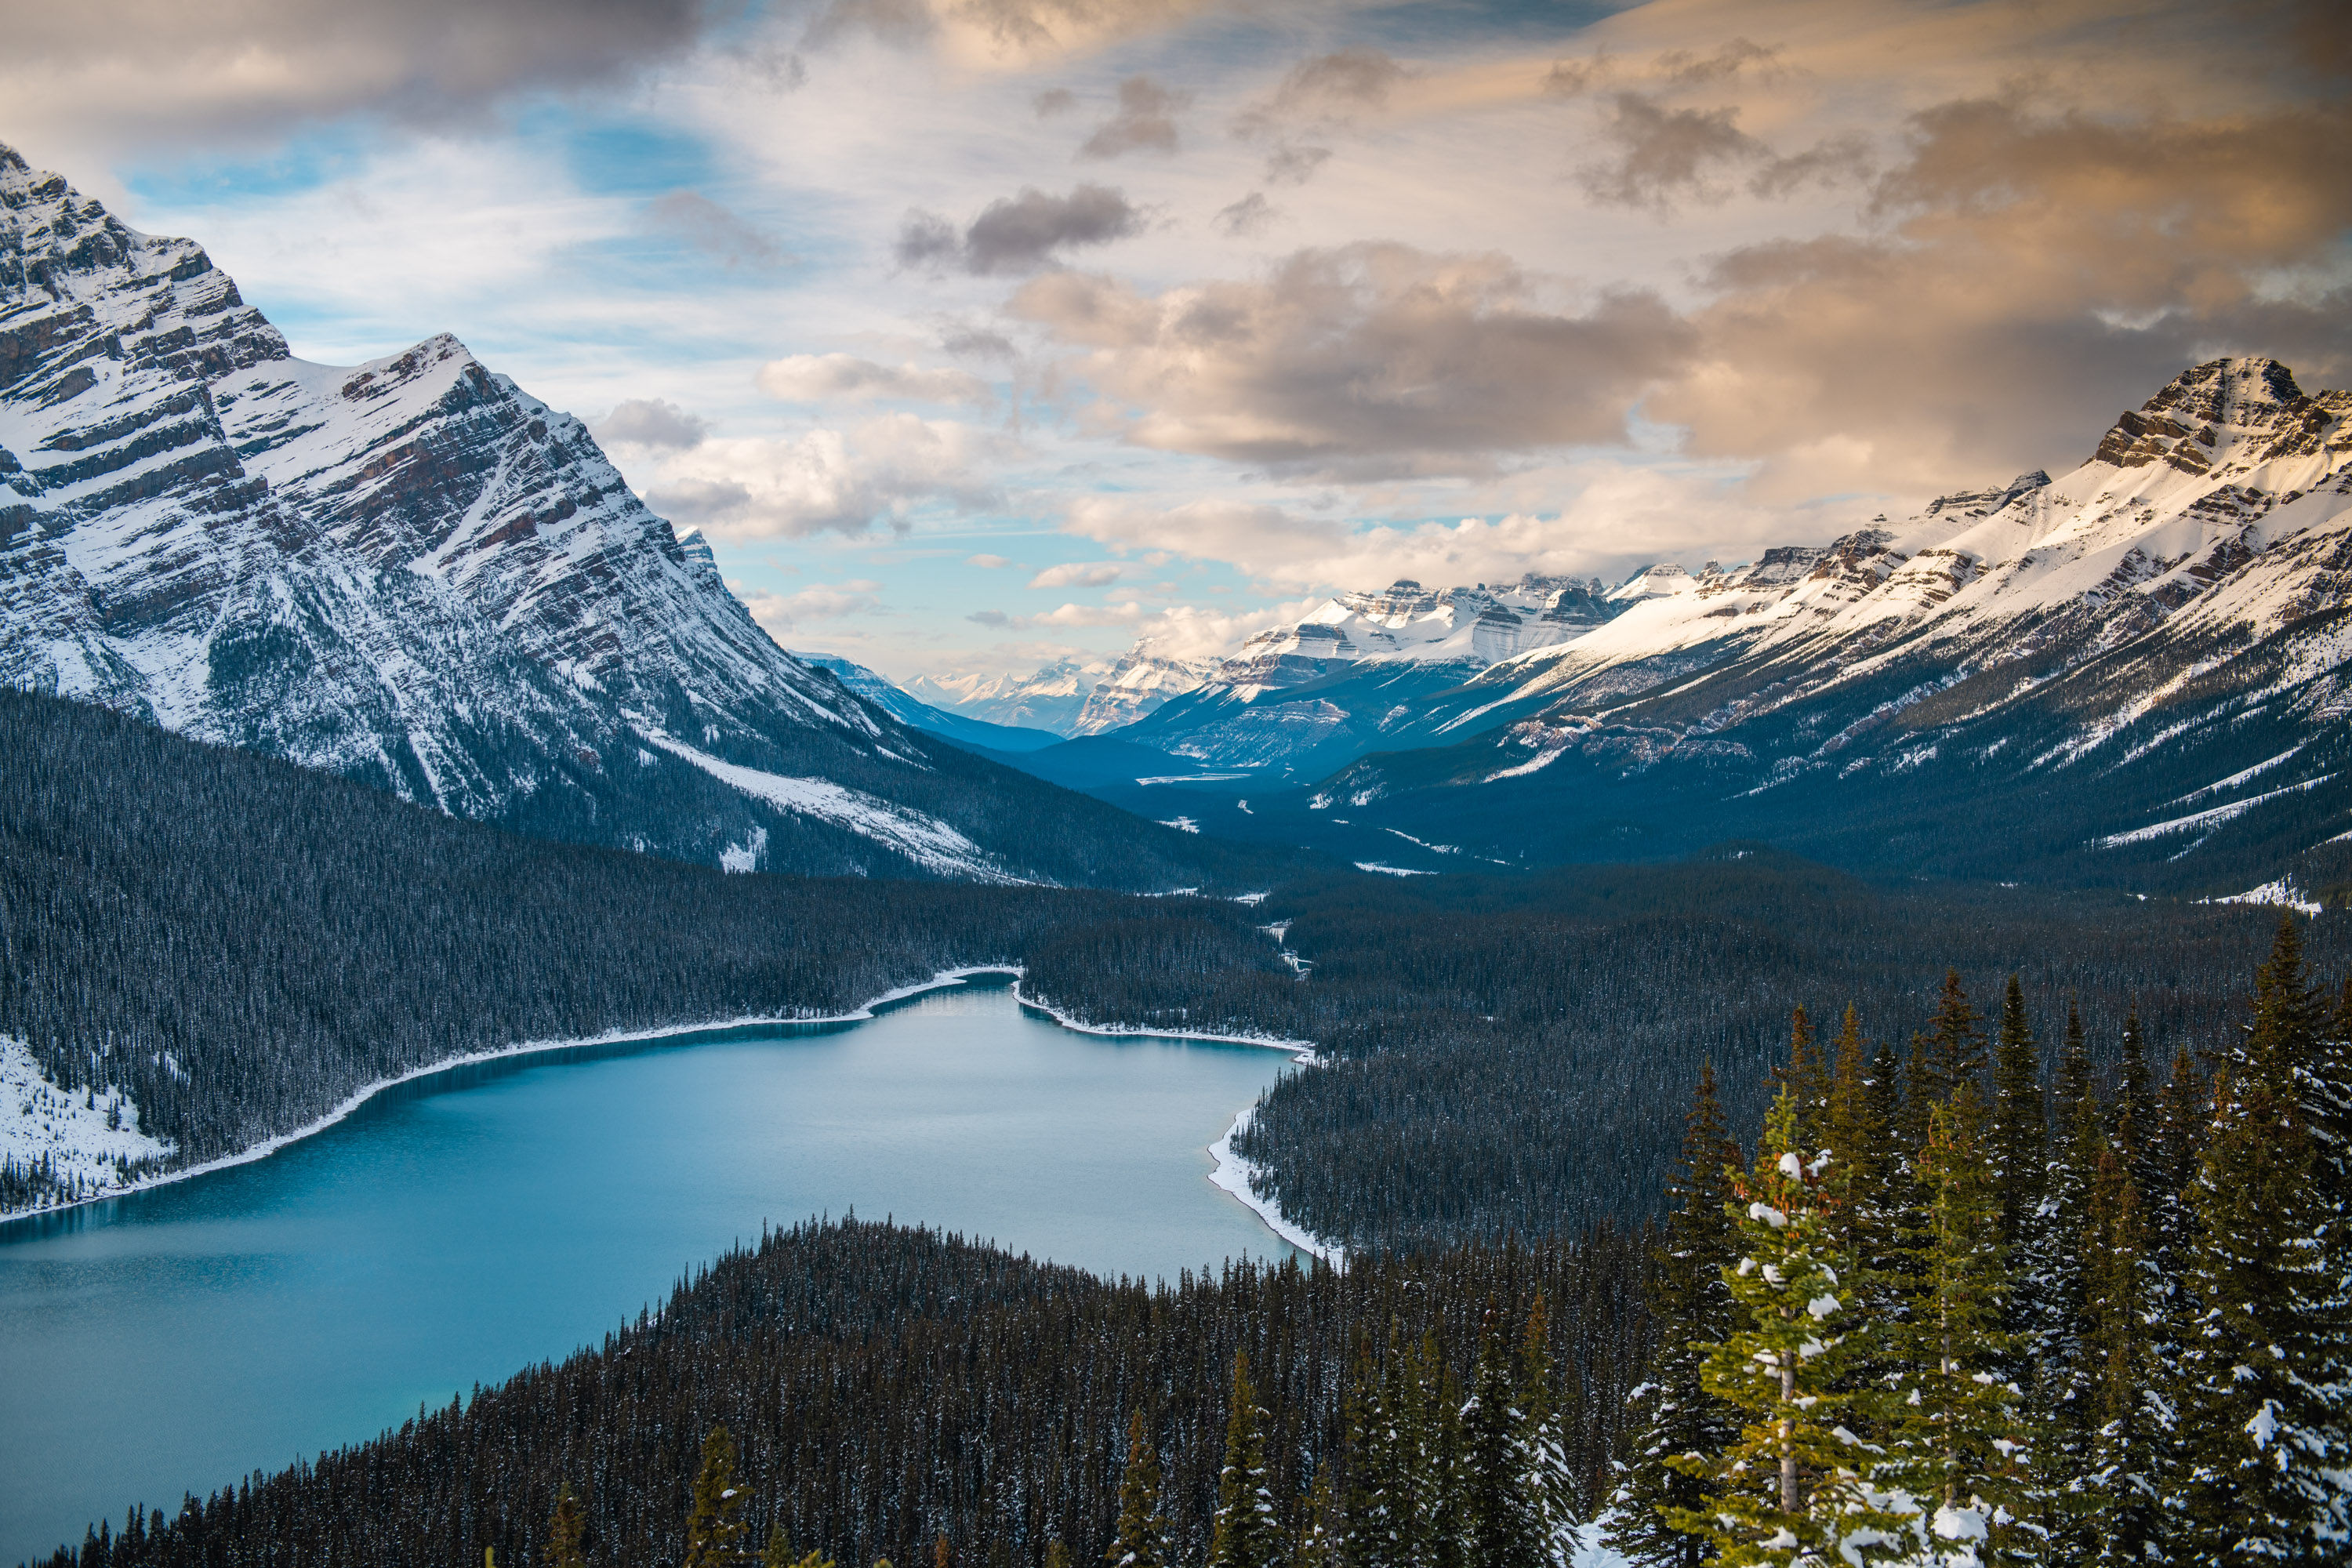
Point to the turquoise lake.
(458, 1229)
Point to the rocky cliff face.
(413, 572)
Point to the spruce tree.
(2264, 1434)
(2016, 1135)
(1960, 1428)
(1671, 1413)
(1807, 1075)
(1548, 1489)
(1247, 1529)
(2125, 1467)
(1141, 1541)
(564, 1529)
(1796, 1487)
(2265, 1356)
(716, 1528)
(1320, 1538)
(1495, 1519)
(1381, 1522)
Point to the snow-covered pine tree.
(2055, 1289)
(1319, 1538)
(2124, 1469)
(1444, 1481)
(716, 1527)
(565, 1530)
(1247, 1529)
(1142, 1538)
(1382, 1526)
(1796, 1488)
(1873, 1187)
(1960, 1428)
(1671, 1412)
(2265, 1407)
(1549, 1485)
(1493, 1514)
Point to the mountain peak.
(2247, 410)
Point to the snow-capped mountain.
(1050, 698)
(2135, 672)
(413, 572)
(895, 701)
(1141, 682)
(1311, 695)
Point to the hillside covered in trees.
(1509, 1054)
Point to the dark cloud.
(1020, 233)
(978, 343)
(1368, 358)
(1053, 101)
(714, 230)
(261, 67)
(1662, 155)
(1251, 214)
(2036, 273)
(989, 619)
(1293, 165)
(1145, 120)
(903, 23)
(651, 422)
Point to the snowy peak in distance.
(414, 573)
(2150, 647)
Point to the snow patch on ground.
(87, 1137)
(2211, 818)
(269, 1146)
(1391, 871)
(1238, 1176)
(1182, 825)
(2282, 893)
(926, 840)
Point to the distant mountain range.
(414, 573)
(2133, 674)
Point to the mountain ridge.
(411, 572)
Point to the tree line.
(897, 1393)
(1510, 1053)
(1954, 1314)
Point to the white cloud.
(825, 480)
(1078, 574)
(818, 378)
(821, 601)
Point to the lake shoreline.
(1230, 1175)
(679, 1032)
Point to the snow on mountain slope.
(409, 572)
(2142, 627)
(1050, 698)
(1142, 681)
(905, 707)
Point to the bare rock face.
(413, 572)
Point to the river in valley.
(458, 1229)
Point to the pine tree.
(1548, 1489)
(2055, 1293)
(1247, 1530)
(2264, 1355)
(1960, 1428)
(1319, 1541)
(1862, 1106)
(1807, 1076)
(564, 1529)
(1494, 1518)
(2131, 1416)
(1382, 1521)
(1796, 1487)
(1141, 1541)
(2016, 1135)
(715, 1530)
(1671, 1412)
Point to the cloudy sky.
(977, 333)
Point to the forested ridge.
(1510, 1053)
(886, 1389)
(242, 944)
